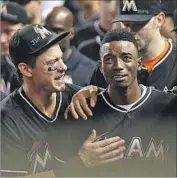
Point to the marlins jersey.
(148, 127)
(24, 128)
(163, 75)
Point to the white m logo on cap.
(42, 31)
(129, 5)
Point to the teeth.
(59, 78)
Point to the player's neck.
(124, 96)
(42, 100)
(155, 47)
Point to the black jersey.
(24, 128)
(164, 74)
(148, 128)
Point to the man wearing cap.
(144, 20)
(80, 68)
(29, 112)
(13, 17)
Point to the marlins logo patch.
(40, 157)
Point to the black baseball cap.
(30, 41)
(15, 13)
(138, 10)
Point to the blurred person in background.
(13, 17)
(79, 67)
(81, 9)
(47, 7)
(88, 11)
(33, 9)
(88, 37)
(168, 7)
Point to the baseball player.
(144, 117)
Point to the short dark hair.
(119, 35)
(31, 63)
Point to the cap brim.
(55, 39)
(132, 18)
(9, 18)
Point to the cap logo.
(128, 5)
(42, 31)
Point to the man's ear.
(160, 19)
(25, 69)
(139, 63)
(100, 65)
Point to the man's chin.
(121, 85)
(61, 87)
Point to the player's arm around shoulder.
(78, 106)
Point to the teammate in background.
(88, 37)
(33, 9)
(144, 117)
(159, 64)
(28, 112)
(13, 17)
(79, 67)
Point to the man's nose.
(118, 64)
(61, 66)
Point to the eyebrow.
(108, 54)
(125, 53)
(51, 60)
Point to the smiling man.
(144, 117)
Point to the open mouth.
(119, 77)
(59, 77)
(60, 80)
